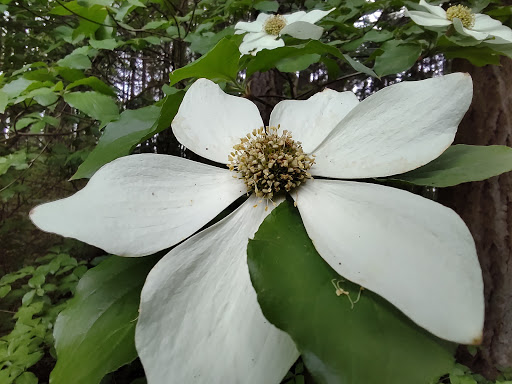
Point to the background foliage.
(83, 82)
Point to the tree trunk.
(486, 208)
(262, 86)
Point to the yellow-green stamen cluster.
(463, 13)
(274, 25)
(269, 162)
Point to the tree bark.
(262, 85)
(486, 208)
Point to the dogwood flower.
(265, 31)
(199, 317)
(467, 23)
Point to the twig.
(191, 19)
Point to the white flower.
(264, 32)
(478, 26)
(199, 318)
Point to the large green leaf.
(397, 57)
(461, 164)
(203, 43)
(220, 63)
(95, 334)
(96, 105)
(109, 44)
(95, 84)
(297, 63)
(16, 87)
(478, 56)
(268, 59)
(373, 343)
(75, 61)
(132, 128)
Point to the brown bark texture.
(486, 208)
(262, 85)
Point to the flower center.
(463, 13)
(274, 24)
(269, 162)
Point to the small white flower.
(265, 31)
(199, 316)
(478, 26)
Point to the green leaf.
(95, 84)
(478, 5)
(371, 35)
(456, 379)
(70, 74)
(267, 6)
(359, 66)
(457, 41)
(297, 63)
(153, 40)
(26, 378)
(28, 297)
(18, 160)
(4, 290)
(36, 281)
(95, 334)
(16, 87)
(373, 343)
(44, 96)
(25, 122)
(478, 56)
(156, 24)
(109, 44)
(133, 127)
(96, 105)
(378, 36)
(169, 109)
(461, 164)
(119, 138)
(268, 59)
(4, 99)
(75, 61)
(220, 63)
(497, 12)
(203, 43)
(396, 57)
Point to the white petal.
(251, 37)
(254, 26)
(468, 32)
(399, 128)
(293, 17)
(257, 42)
(199, 318)
(434, 9)
(311, 120)
(427, 19)
(484, 23)
(506, 39)
(310, 17)
(140, 204)
(412, 251)
(209, 122)
(303, 30)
